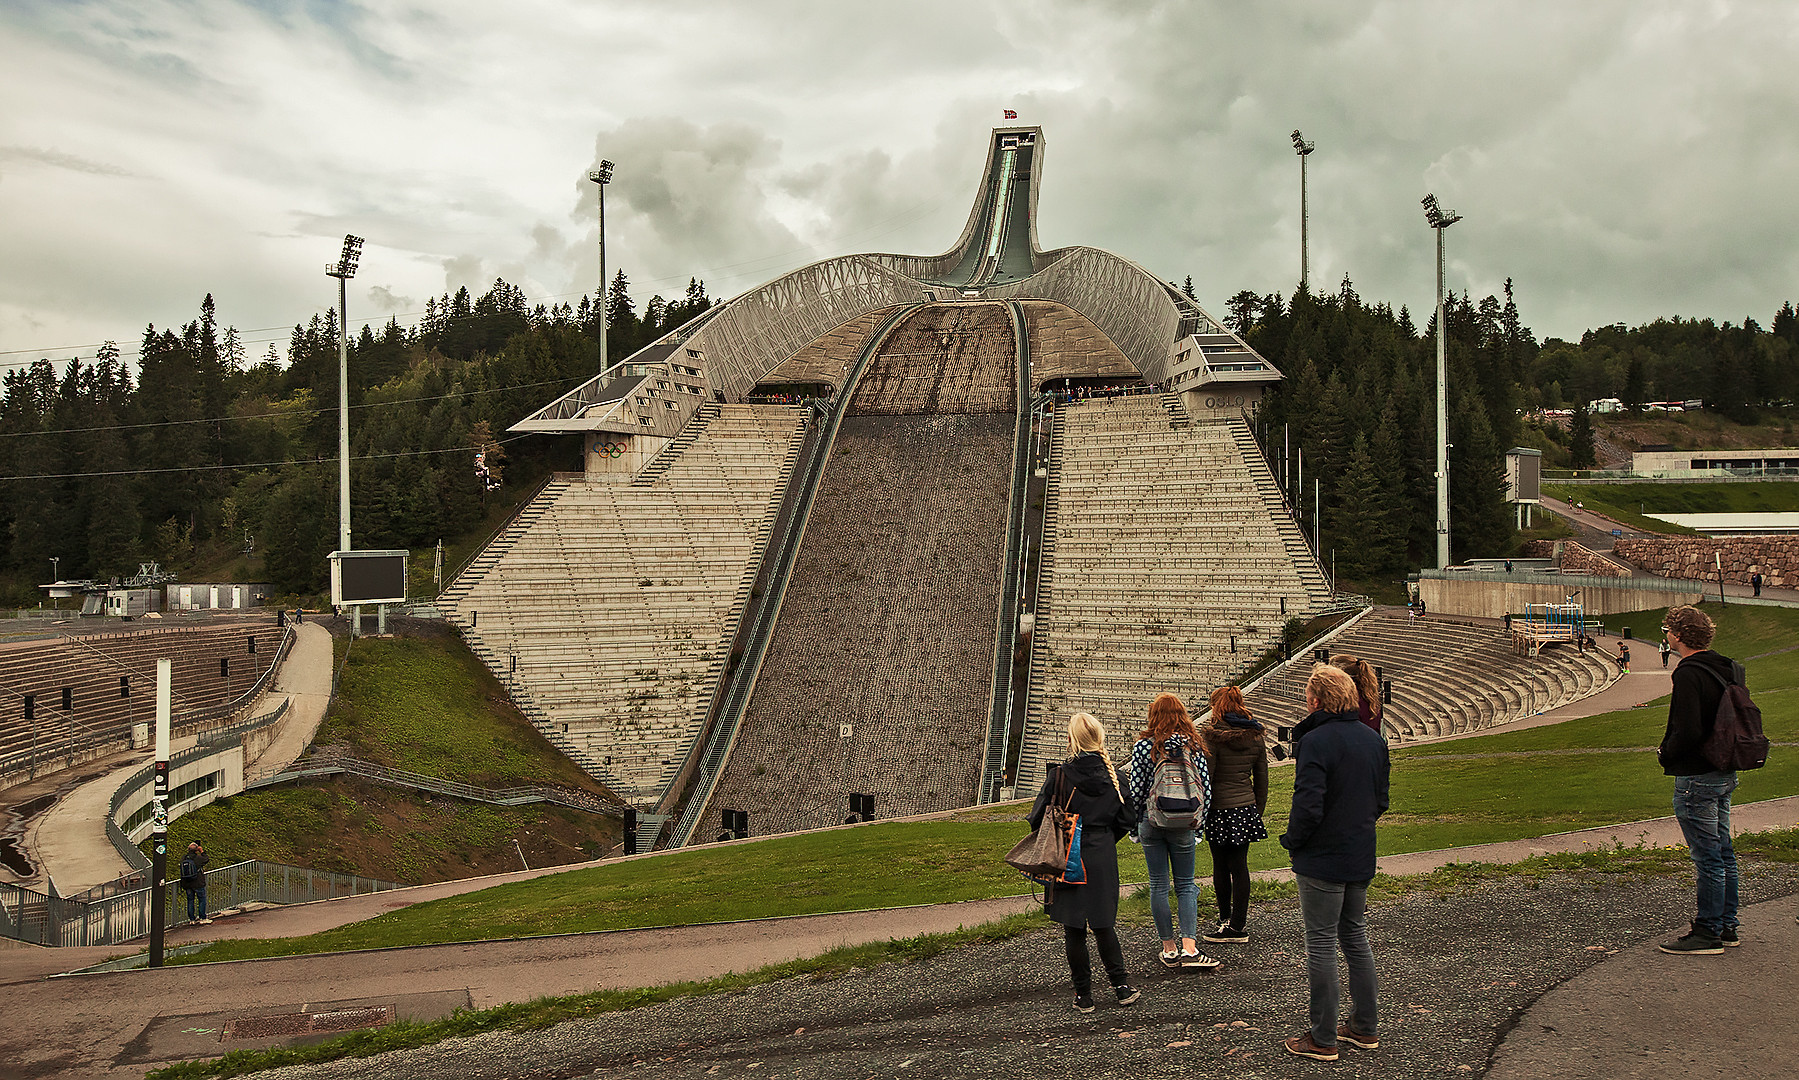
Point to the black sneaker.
(1729, 937)
(1227, 935)
(1696, 943)
(1127, 995)
(1083, 1003)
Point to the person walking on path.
(193, 882)
(1665, 651)
(1340, 780)
(1701, 791)
(1090, 785)
(1755, 581)
(1624, 657)
(1168, 852)
(1234, 741)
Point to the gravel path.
(1458, 971)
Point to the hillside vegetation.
(420, 702)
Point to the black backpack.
(1736, 742)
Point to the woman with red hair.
(1234, 742)
(1168, 733)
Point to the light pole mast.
(601, 177)
(343, 270)
(1441, 219)
(1303, 149)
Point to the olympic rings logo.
(609, 449)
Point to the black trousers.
(1230, 882)
(1111, 955)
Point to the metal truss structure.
(722, 356)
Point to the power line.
(254, 464)
(289, 413)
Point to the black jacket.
(1692, 709)
(1340, 775)
(1083, 784)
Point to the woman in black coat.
(1087, 784)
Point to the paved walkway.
(68, 842)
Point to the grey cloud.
(60, 160)
(387, 300)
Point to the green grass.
(427, 705)
(1636, 505)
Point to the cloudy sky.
(1619, 160)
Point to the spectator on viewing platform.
(1234, 741)
(1701, 791)
(1367, 686)
(1090, 784)
(1168, 734)
(193, 882)
(1340, 783)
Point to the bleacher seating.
(90, 666)
(608, 609)
(1161, 548)
(889, 621)
(1448, 678)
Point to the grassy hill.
(419, 701)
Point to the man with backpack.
(1701, 681)
(193, 882)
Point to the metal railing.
(42, 919)
(382, 774)
(999, 725)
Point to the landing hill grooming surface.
(888, 622)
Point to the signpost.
(159, 815)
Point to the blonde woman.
(1088, 784)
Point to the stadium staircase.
(1166, 566)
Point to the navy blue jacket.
(1339, 789)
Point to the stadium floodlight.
(1440, 219)
(1303, 149)
(601, 177)
(343, 270)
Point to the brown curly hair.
(1167, 717)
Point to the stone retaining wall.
(1573, 558)
(1775, 557)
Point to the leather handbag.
(1043, 855)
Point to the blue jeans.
(196, 897)
(1702, 806)
(1335, 914)
(1168, 850)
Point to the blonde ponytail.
(1087, 735)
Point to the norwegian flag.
(1011, 114)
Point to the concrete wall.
(228, 761)
(633, 453)
(1776, 558)
(1222, 401)
(1486, 598)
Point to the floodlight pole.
(1304, 150)
(343, 270)
(1440, 219)
(601, 177)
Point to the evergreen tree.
(1581, 453)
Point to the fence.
(382, 774)
(41, 919)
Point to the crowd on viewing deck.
(1183, 781)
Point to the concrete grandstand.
(876, 527)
